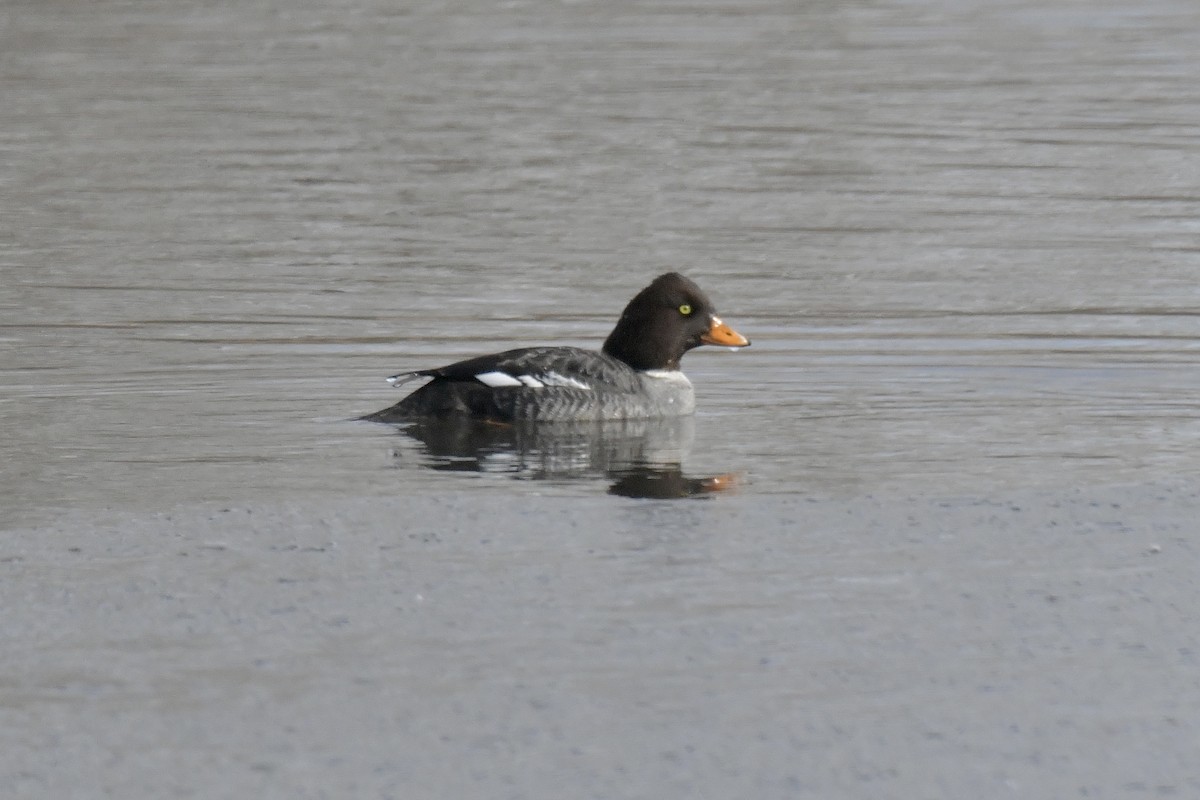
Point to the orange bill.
(722, 334)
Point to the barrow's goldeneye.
(635, 375)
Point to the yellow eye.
(685, 309)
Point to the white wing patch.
(497, 379)
(554, 379)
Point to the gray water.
(963, 236)
(960, 560)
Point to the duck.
(635, 375)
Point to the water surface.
(963, 236)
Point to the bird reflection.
(641, 458)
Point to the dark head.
(666, 319)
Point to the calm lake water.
(964, 236)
